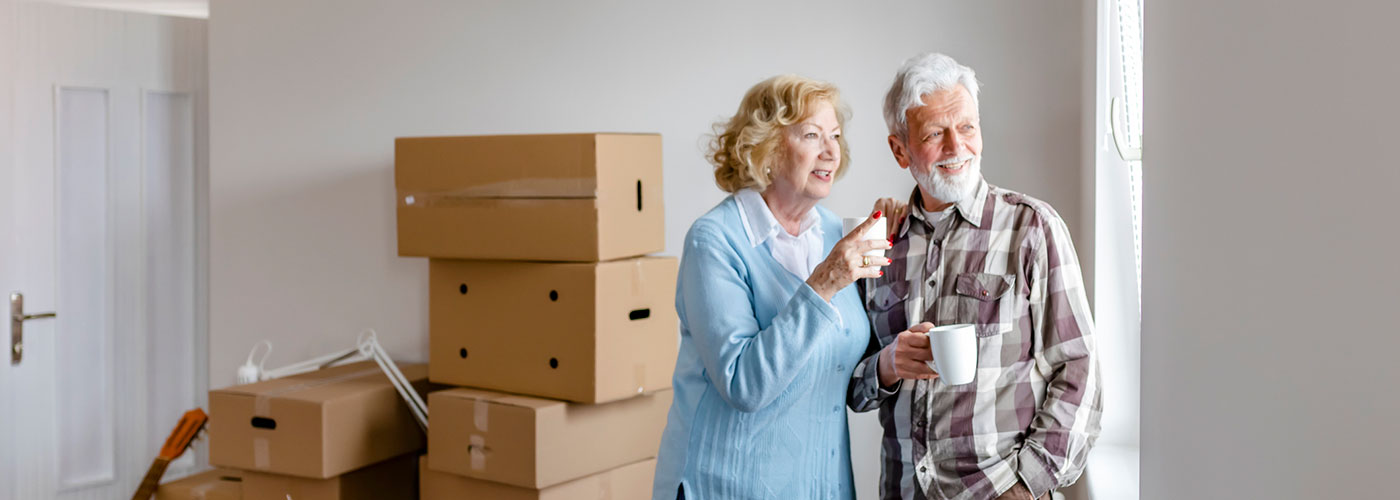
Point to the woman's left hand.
(894, 210)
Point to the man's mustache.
(954, 161)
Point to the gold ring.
(865, 262)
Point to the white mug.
(954, 349)
(876, 232)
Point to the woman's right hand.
(847, 261)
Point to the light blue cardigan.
(760, 382)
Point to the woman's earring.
(768, 172)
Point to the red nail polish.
(877, 214)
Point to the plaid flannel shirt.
(1004, 262)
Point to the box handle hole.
(264, 423)
(637, 314)
(639, 195)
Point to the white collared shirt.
(799, 254)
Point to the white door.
(99, 189)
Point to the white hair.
(921, 75)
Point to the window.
(1130, 54)
(1113, 464)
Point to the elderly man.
(970, 252)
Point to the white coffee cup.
(876, 232)
(954, 349)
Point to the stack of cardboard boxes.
(545, 312)
(341, 433)
(559, 333)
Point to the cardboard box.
(564, 197)
(538, 443)
(584, 332)
(316, 425)
(217, 484)
(629, 482)
(390, 480)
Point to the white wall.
(307, 97)
(1269, 335)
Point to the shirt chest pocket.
(986, 300)
(885, 305)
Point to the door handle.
(17, 319)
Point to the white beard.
(950, 188)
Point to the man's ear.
(901, 155)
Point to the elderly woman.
(770, 328)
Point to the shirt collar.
(970, 208)
(759, 222)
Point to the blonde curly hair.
(743, 148)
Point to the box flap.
(502, 166)
(216, 484)
(499, 398)
(554, 229)
(327, 384)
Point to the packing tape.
(262, 459)
(480, 414)
(638, 279)
(262, 402)
(477, 450)
(581, 188)
(639, 370)
(605, 487)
